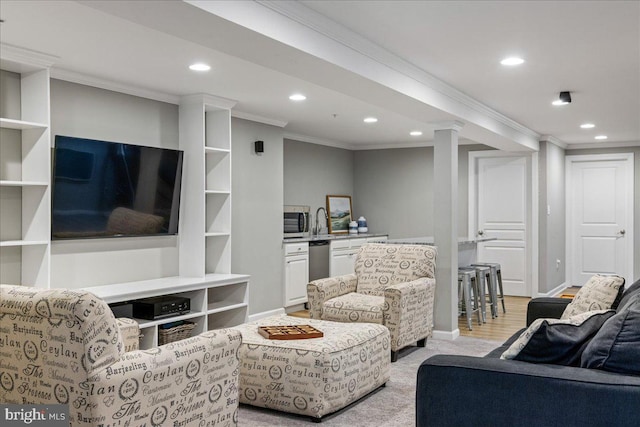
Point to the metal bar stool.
(496, 273)
(483, 279)
(468, 286)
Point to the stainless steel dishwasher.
(318, 259)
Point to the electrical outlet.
(558, 264)
(548, 209)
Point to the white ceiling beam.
(295, 25)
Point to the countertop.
(429, 240)
(333, 237)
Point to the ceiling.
(415, 65)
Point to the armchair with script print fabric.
(393, 285)
(65, 347)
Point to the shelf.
(20, 124)
(23, 183)
(219, 307)
(118, 292)
(9, 243)
(217, 234)
(146, 323)
(220, 192)
(218, 151)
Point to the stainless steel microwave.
(296, 221)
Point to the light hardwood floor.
(498, 329)
(503, 326)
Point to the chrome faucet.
(326, 219)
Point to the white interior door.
(500, 207)
(599, 216)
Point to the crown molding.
(259, 119)
(340, 34)
(318, 141)
(210, 102)
(22, 57)
(448, 125)
(613, 144)
(553, 140)
(83, 79)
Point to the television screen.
(109, 189)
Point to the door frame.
(580, 158)
(531, 244)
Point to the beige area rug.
(390, 406)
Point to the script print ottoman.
(316, 376)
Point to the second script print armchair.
(393, 285)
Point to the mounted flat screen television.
(111, 189)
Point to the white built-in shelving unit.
(25, 169)
(218, 297)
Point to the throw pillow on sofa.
(616, 346)
(599, 293)
(557, 341)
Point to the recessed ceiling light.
(199, 67)
(601, 137)
(370, 120)
(587, 126)
(297, 97)
(511, 61)
(415, 133)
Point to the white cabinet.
(342, 256)
(216, 300)
(25, 169)
(296, 273)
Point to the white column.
(445, 223)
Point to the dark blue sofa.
(487, 391)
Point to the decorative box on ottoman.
(313, 377)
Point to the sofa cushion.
(628, 294)
(616, 346)
(354, 307)
(599, 293)
(557, 341)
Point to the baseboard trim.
(264, 314)
(446, 335)
(555, 291)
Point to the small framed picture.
(339, 208)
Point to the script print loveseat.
(65, 347)
(393, 285)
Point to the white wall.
(89, 112)
(394, 190)
(256, 204)
(313, 171)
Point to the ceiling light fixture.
(370, 120)
(297, 97)
(563, 99)
(601, 137)
(199, 67)
(511, 61)
(587, 126)
(415, 133)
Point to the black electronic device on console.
(158, 307)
